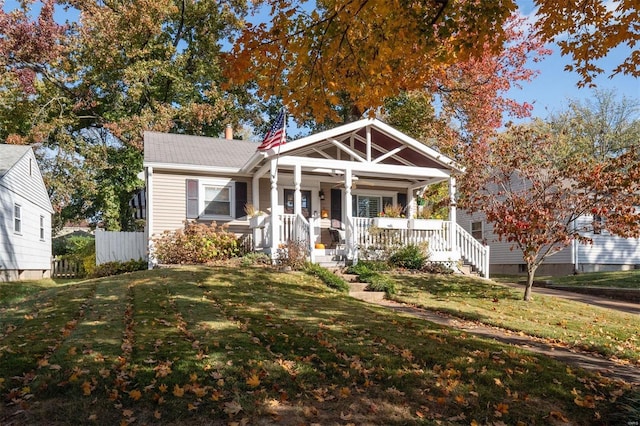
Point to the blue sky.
(551, 90)
(553, 87)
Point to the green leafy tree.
(89, 89)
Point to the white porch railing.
(472, 251)
(360, 237)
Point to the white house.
(335, 182)
(606, 253)
(25, 216)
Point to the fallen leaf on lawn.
(135, 394)
(72, 350)
(178, 391)
(86, 388)
(162, 388)
(92, 418)
(43, 362)
(157, 415)
(345, 392)
(502, 408)
(232, 408)
(127, 413)
(253, 381)
(498, 382)
(345, 416)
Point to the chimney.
(228, 132)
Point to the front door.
(289, 202)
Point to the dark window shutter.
(193, 204)
(402, 201)
(336, 205)
(241, 198)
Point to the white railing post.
(312, 224)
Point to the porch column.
(348, 205)
(275, 223)
(452, 215)
(255, 192)
(297, 195)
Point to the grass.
(617, 279)
(198, 345)
(609, 333)
(614, 279)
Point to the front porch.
(332, 188)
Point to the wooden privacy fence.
(120, 246)
(64, 268)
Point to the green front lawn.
(617, 279)
(224, 345)
(610, 333)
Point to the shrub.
(326, 276)
(197, 243)
(115, 268)
(79, 249)
(436, 268)
(379, 282)
(292, 254)
(255, 258)
(369, 272)
(408, 257)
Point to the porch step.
(467, 269)
(356, 287)
(368, 296)
(330, 261)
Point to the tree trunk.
(530, 274)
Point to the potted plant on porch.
(256, 217)
(392, 217)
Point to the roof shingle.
(169, 148)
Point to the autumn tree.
(533, 193)
(315, 54)
(90, 88)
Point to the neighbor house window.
(598, 224)
(17, 218)
(369, 205)
(476, 230)
(221, 199)
(42, 228)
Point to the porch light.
(321, 194)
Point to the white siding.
(23, 185)
(608, 249)
(24, 250)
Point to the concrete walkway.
(585, 360)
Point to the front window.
(217, 200)
(17, 218)
(369, 205)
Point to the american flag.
(276, 135)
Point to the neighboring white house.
(606, 253)
(25, 216)
(333, 183)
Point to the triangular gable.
(367, 140)
(24, 177)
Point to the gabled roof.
(386, 139)
(182, 150)
(367, 141)
(10, 155)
